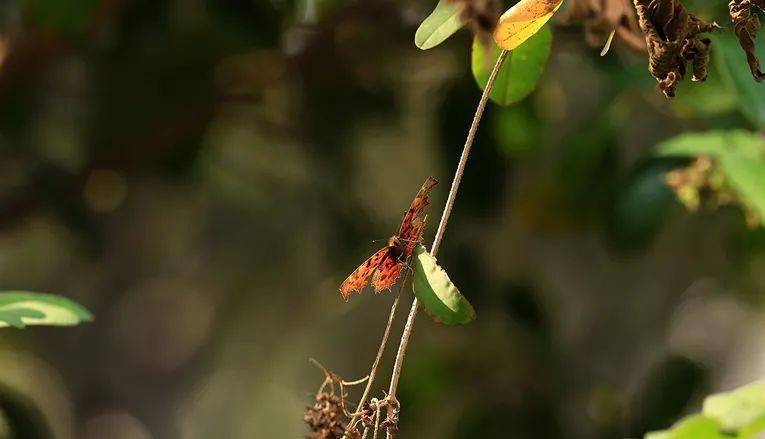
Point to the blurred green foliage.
(203, 174)
(736, 414)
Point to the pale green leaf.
(716, 144)
(692, 427)
(438, 295)
(738, 409)
(747, 177)
(607, 46)
(439, 25)
(19, 308)
(520, 72)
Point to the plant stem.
(380, 351)
(442, 228)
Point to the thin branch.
(377, 420)
(442, 228)
(380, 351)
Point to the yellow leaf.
(523, 20)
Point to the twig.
(442, 228)
(380, 351)
(377, 420)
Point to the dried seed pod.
(326, 418)
(746, 24)
(671, 35)
(390, 424)
(368, 414)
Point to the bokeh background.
(202, 174)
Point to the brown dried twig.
(393, 407)
(380, 351)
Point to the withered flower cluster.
(702, 185)
(326, 418)
(601, 17)
(672, 37)
(746, 23)
(480, 16)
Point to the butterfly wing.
(387, 273)
(410, 230)
(418, 225)
(358, 279)
(389, 267)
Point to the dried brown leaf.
(672, 37)
(746, 24)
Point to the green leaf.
(733, 68)
(747, 177)
(692, 427)
(738, 409)
(521, 71)
(715, 144)
(18, 309)
(740, 154)
(439, 25)
(438, 295)
(736, 414)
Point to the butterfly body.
(396, 247)
(386, 264)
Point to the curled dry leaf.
(746, 24)
(480, 16)
(672, 37)
(522, 21)
(601, 17)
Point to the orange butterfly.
(388, 262)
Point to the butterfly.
(387, 263)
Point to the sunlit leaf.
(692, 427)
(439, 25)
(715, 143)
(18, 309)
(520, 72)
(607, 46)
(733, 68)
(736, 414)
(522, 21)
(438, 295)
(738, 409)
